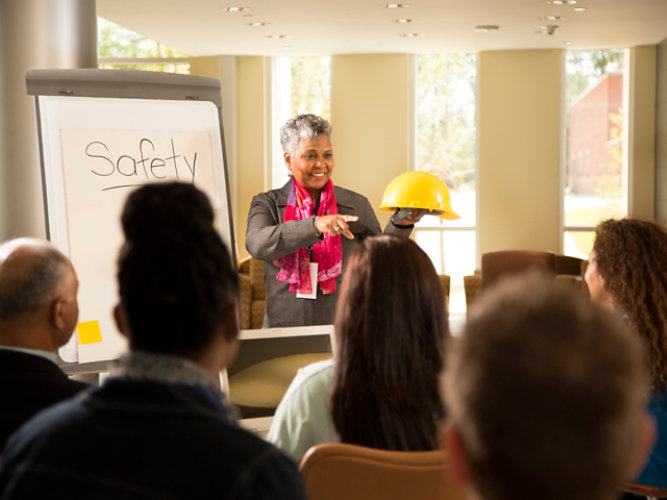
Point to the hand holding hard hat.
(414, 194)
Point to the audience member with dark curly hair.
(381, 389)
(159, 426)
(627, 272)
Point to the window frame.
(564, 153)
(443, 228)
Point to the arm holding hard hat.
(414, 194)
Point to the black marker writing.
(146, 164)
(89, 147)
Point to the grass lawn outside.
(588, 217)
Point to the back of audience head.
(391, 325)
(627, 271)
(176, 282)
(38, 288)
(545, 395)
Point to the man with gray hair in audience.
(38, 313)
(545, 396)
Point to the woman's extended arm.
(268, 238)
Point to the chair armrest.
(644, 490)
(245, 292)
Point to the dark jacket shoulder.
(144, 429)
(29, 384)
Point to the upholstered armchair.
(253, 292)
(568, 270)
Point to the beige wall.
(372, 122)
(253, 143)
(661, 134)
(519, 120)
(519, 149)
(641, 75)
(224, 69)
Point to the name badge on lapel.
(313, 284)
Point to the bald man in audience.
(545, 396)
(38, 313)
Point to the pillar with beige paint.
(661, 134)
(253, 146)
(641, 161)
(371, 106)
(519, 96)
(224, 69)
(33, 34)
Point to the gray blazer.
(268, 238)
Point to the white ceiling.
(326, 27)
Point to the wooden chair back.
(496, 265)
(335, 471)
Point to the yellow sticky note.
(89, 332)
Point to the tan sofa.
(253, 292)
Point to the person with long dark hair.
(159, 426)
(627, 272)
(381, 389)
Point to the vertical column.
(518, 149)
(640, 130)
(224, 69)
(371, 113)
(661, 135)
(253, 144)
(33, 34)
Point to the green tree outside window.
(117, 42)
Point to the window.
(446, 146)
(121, 48)
(595, 184)
(300, 85)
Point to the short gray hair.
(306, 126)
(24, 290)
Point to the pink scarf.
(328, 253)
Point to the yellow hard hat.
(418, 189)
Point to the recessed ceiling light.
(402, 21)
(277, 37)
(411, 35)
(568, 43)
(485, 28)
(236, 9)
(561, 2)
(579, 9)
(548, 29)
(551, 18)
(256, 24)
(396, 5)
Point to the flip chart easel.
(102, 133)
